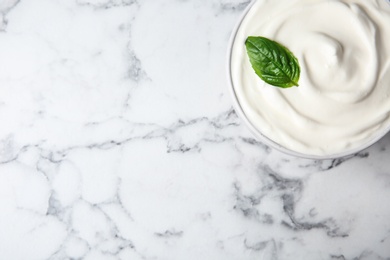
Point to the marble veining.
(118, 140)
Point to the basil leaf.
(273, 62)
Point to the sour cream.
(343, 99)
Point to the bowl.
(257, 132)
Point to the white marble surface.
(118, 141)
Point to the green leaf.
(272, 62)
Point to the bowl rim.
(257, 133)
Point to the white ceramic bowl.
(264, 139)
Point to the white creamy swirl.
(344, 51)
